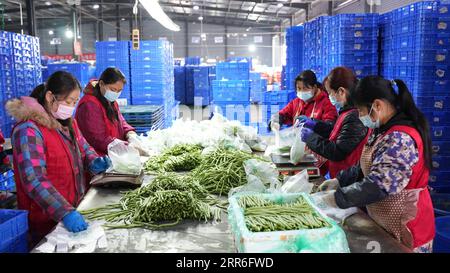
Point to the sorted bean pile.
(222, 170)
(182, 157)
(170, 197)
(262, 215)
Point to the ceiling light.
(252, 48)
(48, 3)
(245, 35)
(96, 6)
(50, 32)
(248, 29)
(280, 5)
(200, 18)
(196, 7)
(123, 19)
(69, 34)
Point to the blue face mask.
(336, 103)
(304, 96)
(367, 121)
(112, 96)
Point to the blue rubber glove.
(74, 222)
(309, 123)
(100, 164)
(302, 118)
(306, 133)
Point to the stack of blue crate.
(231, 90)
(294, 55)
(415, 48)
(354, 43)
(258, 87)
(152, 76)
(78, 70)
(180, 84)
(20, 71)
(192, 60)
(198, 86)
(115, 54)
(212, 77)
(144, 118)
(316, 39)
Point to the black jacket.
(351, 134)
(356, 190)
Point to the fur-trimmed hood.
(28, 108)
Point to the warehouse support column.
(186, 38)
(330, 8)
(131, 26)
(31, 20)
(118, 22)
(74, 28)
(100, 22)
(226, 42)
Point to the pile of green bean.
(262, 215)
(169, 197)
(222, 170)
(182, 157)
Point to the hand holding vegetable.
(100, 164)
(74, 222)
(328, 185)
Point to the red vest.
(422, 227)
(352, 159)
(59, 162)
(113, 129)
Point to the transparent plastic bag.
(285, 138)
(326, 203)
(298, 148)
(125, 159)
(298, 183)
(261, 177)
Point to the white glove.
(135, 142)
(328, 185)
(275, 126)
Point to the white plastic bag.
(325, 201)
(298, 148)
(125, 159)
(261, 177)
(298, 183)
(284, 139)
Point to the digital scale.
(285, 167)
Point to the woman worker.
(392, 177)
(311, 102)
(50, 156)
(342, 142)
(98, 113)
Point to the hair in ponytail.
(398, 95)
(61, 84)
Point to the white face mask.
(111, 96)
(305, 96)
(367, 121)
(64, 112)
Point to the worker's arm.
(391, 170)
(32, 167)
(323, 128)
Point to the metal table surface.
(363, 234)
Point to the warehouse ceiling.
(245, 13)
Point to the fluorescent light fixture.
(96, 6)
(123, 19)
(248, 29)
(345, 3)
(280, 5)
(252, 48)
(48, 3)
(155, 11)
(69, 34)
(50, 32)
(196, 7)
(245, 35)
(200, 18)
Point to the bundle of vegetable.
(262, 215)
(169, 197)
(222, 170)
(182, 157)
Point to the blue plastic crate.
(441, 163)
(355, 58)
(441, 202)
(7, 181)
(233, 71)
(439, 180)
(276, 97)
(440, 133)
(13, 231)
(438, 118)
(432, 103)
(441, 243)
(192, 60)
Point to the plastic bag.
(298, 183)
(285, 138)
(125, 159)
(261, 177)
(298, 148)
(323, 201)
